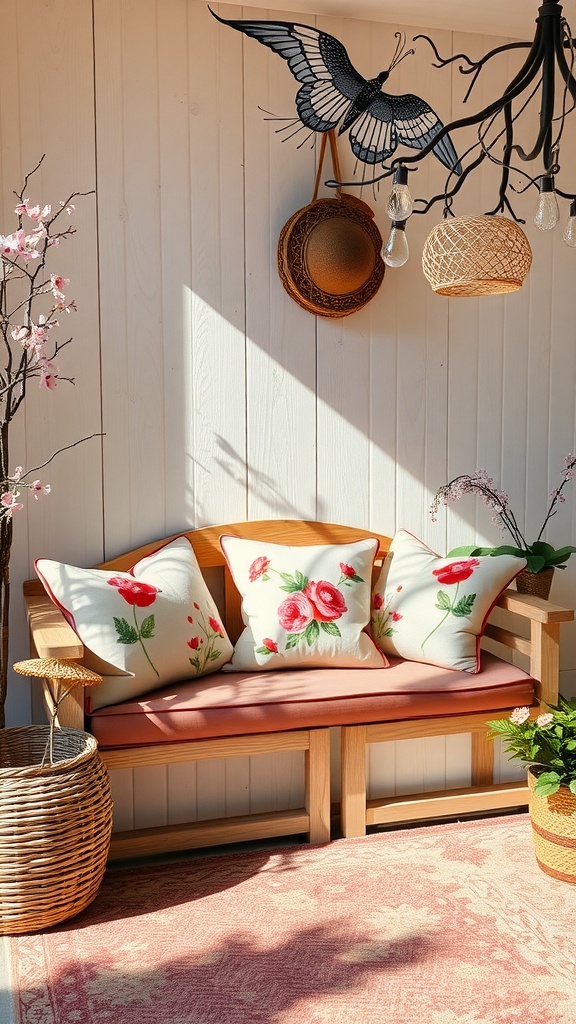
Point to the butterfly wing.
(408, 119)
(316, 59)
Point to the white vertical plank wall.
(220, 397)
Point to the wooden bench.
(531, 628)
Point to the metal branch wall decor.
(333, 95)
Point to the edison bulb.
(569, 235)
(399, 204)
(546, 214)
(395, 252)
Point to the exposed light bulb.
(399, 204)
(546, 214)
(395, 252)
(570, 230)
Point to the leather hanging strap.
(335, 162)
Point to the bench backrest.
(206, 544)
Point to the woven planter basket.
(476, 256)
(536, 583)
(55, 825)
(554, 831)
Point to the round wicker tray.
(55, 826)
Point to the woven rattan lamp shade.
(476, 256)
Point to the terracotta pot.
(537, 583)
(554, 831)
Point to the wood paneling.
(220, 397)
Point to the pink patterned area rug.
(450, 924)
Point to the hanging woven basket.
(329, 252)
(468, 256)
(554, 831)
(55, 826)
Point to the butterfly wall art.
(333, 95)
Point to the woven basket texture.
(536, 583)
(554, 831)
(55, 826)
(476, 256)
(329, 256)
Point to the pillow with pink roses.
(303, 605)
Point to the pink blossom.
(396, 616)
(59, 282)
(38, 488)
(544, 720)
(271, 645)
(9, 503)
(18, 474)
(194, 643)
(48, 376)
(520, 715)
(34, 212)
(20, 334)
(215, 626)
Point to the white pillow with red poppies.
(155, 624)
(432, 609)
(303, 605)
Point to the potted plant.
(547, 746)
(541, 557)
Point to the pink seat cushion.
(233, 704)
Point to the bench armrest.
(535, 608)
(543, 645)
(51, 636)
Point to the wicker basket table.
(55, 826)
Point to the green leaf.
(259, 650)
(572, 786)
(535, 563)
(547, 784)
(507, 549)
(214, 655)
(467, 550)
(147, 628)
(301, 580)
(331, 628)
(312, 632)
(291, 584)
(126, 633)
(292, 640)
(443, 601)
(463, 607)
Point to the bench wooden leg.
(482, 759)
(353, 799)
(318, 785)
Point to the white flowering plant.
(32, 303)
(539, 554)
(546, 744)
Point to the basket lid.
(329, 254)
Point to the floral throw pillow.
(303, 605)
(432, 609)
(154, 625)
